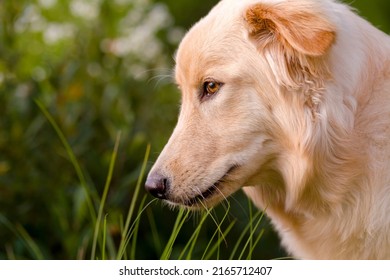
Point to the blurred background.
(99, 67)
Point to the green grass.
(101, 244)
(103, 201)
(72, 157)
(23, 235)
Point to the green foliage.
(73, 76)
(78, 68)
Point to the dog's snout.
(157, 185)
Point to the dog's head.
(250, 74)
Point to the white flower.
(139, 32)
(175, 35)
(159, 17)
(30, 20)
(86, 9)
(47, 3)
(56, 32)
(39, 73)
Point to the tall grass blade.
(181, 218)
(192, 241)
(217, 244)
(259, 236)
(155, 232)
(136, 227)
(104, 196)
(31, 245)
(132, 204)
(104, 238)
(133, 228)
(214, 220)
(221, 235)
(243, 233)
(252, 232)
(20, 231)
(251, 225)
(72, 158)
(10, 252)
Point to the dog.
(289, 100)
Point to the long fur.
(303, 114)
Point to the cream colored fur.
(301, 117)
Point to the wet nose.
(157, 185)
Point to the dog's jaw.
(213, 193)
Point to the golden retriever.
(290, 98)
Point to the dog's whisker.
(160, 78)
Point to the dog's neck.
(318, 176)
(325, 174)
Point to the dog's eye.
(210, 88)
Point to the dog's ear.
(294, 37)
(296, 25)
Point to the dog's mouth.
(211, 191)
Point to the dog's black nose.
(157, 185)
